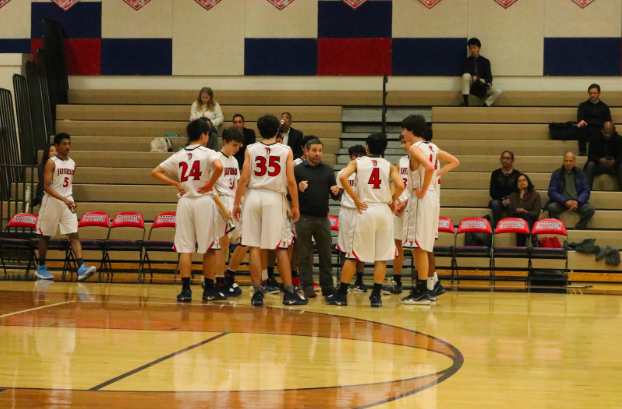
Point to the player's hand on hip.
(295, 214)
(421, 193)
(302, 186)
(181, 189)
(334, 189)
(361, 206)
(206, 188)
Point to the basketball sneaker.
(394, 288)
(336, 299)
(211, 294)
(85, 272)
(375, 300)
(360, 288)
(296, 281)
(316, 288)
(232, 290)
(294, 299)
(185, 295)
(439, 289)
(257, 299)
(267, 287)
(43, 273)
(418, 296)
(432, 295)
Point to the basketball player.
(423, 210)
(373, 226)
(59, 209)
(269, 173)
(198, 218)
(347, 215)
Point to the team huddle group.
(384, 209)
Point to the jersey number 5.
(66, 182)
(195, 171)
(273, 163)
(374, 179)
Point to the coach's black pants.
(308, 227)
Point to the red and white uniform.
(347, 216)
(264, 211)
(373, 228)
(398, 222)
(421, 215)
(226, 186)
(199, 223)
(53, 212)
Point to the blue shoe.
(294, 299)
(439, 289)
(185, 295)
(213, 295)
(360, 288)
(267, 287)
(257, 299)
(375, 300)
(43, 273)
(85, 272)
(336, 299)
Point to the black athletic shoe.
(185, 295)
(211, 294)
(233, 290)
(394, 288)
(336, 299)
(294, 299)
(439, 289)
(267, 287)
(432, 295)
(376, 300)
(359, 288)
(418, 296)
(257, 299)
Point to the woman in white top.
(205, 106)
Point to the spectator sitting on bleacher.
(476, 70)
(569, 189)
(249, 138)
(605, 154)
(291, 137)
(525, 203)
(206, 107)
(38, 197)
(502, 183)
(591, 116)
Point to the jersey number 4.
(195, 170)
(262, 169)
(374, 179)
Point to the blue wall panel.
(146, 56)
(428, 56)
(83, 20)
(583, 56)
(372, 19)
(19, 45)
(280, 56)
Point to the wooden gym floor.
(92, 345)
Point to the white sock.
(264, 275)
(430, 283)
(435, 278)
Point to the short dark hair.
(288, 114)
(415, 124)
(530, 186)
(474, 41)
(197, 128)
(58, 138)
(238, 115)
(510, 152)
(232, 134)
(594, 86)
(268, 126)
(356, 150)
(377, 143)
(313, 141)
(429, 134)
(306, 139)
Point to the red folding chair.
(127, 223)
(94, 224)
(17, 238)
(510, 225)
(472, 225)
(554, 227)
(163, 223)
(445, 227)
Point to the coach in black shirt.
(591, 116)
(316, 182)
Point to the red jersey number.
(374, 179)
(195, 171)
(66, 182)
(435, 163)
(273, 164)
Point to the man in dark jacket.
(569, 189)
(476, 69)
(249, 138)
(591, 116)
(291, 137)
(605, 155)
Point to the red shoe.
(316, 288)
(296, 281)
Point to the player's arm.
(242, 182)
(217, 171)
(343, 178)
(451, 162)
(48, 176)
(424, 162)
(292, 186)
(223, 209)
(160, 174)
(397, 187)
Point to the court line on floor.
(34, 309)
(157, 361)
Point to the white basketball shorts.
(373, 235)
(197, 227)
(421, 222)
(54, 213)
(347, 217)
(264, 215)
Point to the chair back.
(163, 221)
(334, 222)
(474, 225)
(445, 225)
(23, 220)
(94, 219)
(549, 226)
(128, 222)
(512, 225)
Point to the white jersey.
(403, 169)
(416, 176)
(227, 183)
(346, 199)
(193, 166)
(62, 181)
(268, 166)
(298, 161)
(372, 184)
